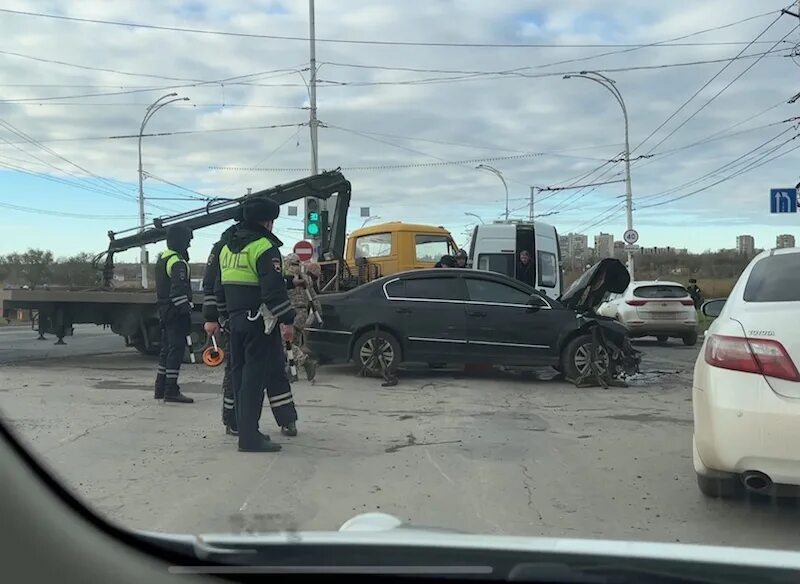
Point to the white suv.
(659, 309)
(746, 390)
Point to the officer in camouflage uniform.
(299, 295)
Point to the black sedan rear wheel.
(375, 349)
(576, 357)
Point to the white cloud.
(511, 113)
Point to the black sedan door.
(504, 329)
(429, 312)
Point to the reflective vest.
(172, 257)
(240, 268)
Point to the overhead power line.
(715, 96)
(386, 166)
(162, 134)
(755, 164)
(63, 213)
(519, 72)
(344, 41)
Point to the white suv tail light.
(762, 356)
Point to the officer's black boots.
(289, 429)
(161, 381)
(172, 394)
(260, 443)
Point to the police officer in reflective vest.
(174, 293)
(254, 291)
(215, 316)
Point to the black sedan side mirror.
(534, 303)
(712, 308)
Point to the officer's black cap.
(461, 253)
(178, 237)
(239, 214)
(261, 209)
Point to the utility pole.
(313, 205)
(312, 122)
(530, 207)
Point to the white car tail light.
(636, 302)
(751, 356)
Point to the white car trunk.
(774, 321)
(664, 309)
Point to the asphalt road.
(20, 343)
(495, 453)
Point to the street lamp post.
(499, 175)
(609, 84)
(368, 219)
(478, 217)
(151, 110)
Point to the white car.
(746, 389)
(655, 308)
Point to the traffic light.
(313, 228)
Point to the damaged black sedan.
(474, 316)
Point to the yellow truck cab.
(388, 248)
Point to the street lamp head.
(171, 95)
(567, 77)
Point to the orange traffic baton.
(213, 356)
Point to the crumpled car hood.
(587, 292)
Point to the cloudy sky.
(407, 117)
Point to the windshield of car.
(447, 261)
(774, 279)
(660, 291)
(374, 246)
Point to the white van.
(496, 247)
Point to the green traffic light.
(313, 229)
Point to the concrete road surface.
(494, 453)
(20, 343)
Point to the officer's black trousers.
(228, 401)
(258, 362)
(174, 328)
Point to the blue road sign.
(783, 200)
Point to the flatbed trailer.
(132, 314)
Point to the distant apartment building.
(604, 245)
(574, 248)
(745, 245)
(666, 250)
(784, 240)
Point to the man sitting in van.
(525, 271)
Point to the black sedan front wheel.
(576, 357)
(375, 350)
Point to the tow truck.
(133, 314)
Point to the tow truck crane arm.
(320, 186)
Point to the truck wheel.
(372, 345)
(690, 340)
(139, 345)
(575, 358)
(662, 339)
